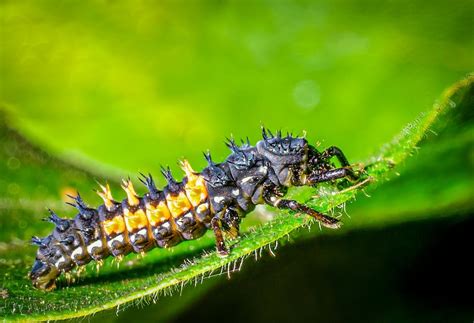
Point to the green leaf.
(165, 271)
(437, 180)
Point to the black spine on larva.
(148, 181)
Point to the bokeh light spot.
(306, 94)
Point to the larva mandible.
(217, 199)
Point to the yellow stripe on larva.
(132, 197)
(157, 214)
(115, 225)
(135, 220)
(195, 188)
(178, 204)
(106, 196)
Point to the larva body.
(217, 199)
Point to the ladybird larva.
(217, 199)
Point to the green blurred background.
(117, 87)
(138, 84)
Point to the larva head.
(287, 155)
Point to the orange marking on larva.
(195, 188)
(136, 220)
(115, 225)
(196, 191)
(187, 169)
(157, 214)
(132, 197)
(178, 204)
(106, 195)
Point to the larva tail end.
(43, 276)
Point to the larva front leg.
(272, 196)
(321, 170)
(216, 226)
(329, 175)
(231, 222)
(227, 221)
(325, 220)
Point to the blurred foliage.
(121, 87)
(132, 85)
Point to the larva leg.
(325, 220)
(331, 175)
(216, 225)
(231, 222)
(272, 196)
(334, 151)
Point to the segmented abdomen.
(160, 218)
